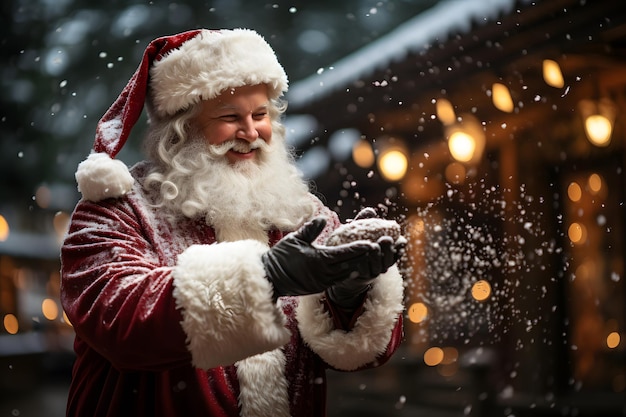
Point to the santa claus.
(208, 280)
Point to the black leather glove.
(349, 294)
(295, 266)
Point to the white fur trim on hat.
(371, 333)
(211, 62)
(100, 177)
(227, 303)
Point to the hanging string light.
(501, 97)
(466, 139)
(552, 74)
(598, 118)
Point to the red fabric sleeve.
(116, 291)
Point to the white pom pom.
(100, 177)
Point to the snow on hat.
(175, 72)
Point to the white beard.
(241, 201)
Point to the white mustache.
(238, 145)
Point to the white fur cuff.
(227, 303)
(369, 337)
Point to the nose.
(247, 129)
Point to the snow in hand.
(365, 229)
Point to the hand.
(295, 266)
(349, 293)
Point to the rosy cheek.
(216, 135)
(266, 133)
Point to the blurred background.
(492, 129)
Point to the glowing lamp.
(613, 340)
(393, 160)
(552, 74)
(362, 154)
(462, 146)
(501, 97)
(4, 229)
(598, 117)
(433, 356)
(50, 309)
(598, 129)
(466, 140)
(11, 324)
(481, 290)
(418, 312)
(393, 164)
(445, 111)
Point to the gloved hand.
(349, 293)
(295, 266)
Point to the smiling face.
(201, 166)
(236, 119)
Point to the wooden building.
(494, 130)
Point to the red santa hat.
(175, 73)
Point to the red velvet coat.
(171, 323)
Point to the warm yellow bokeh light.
(4, 229)
(450, 355)
(50, 309)
(67, 320)
(418, 312)
(61, 222)
(598, 118)
(552, 74)
(445, 111)
(481, 290)
(455, 173)
(362, 154)
(595, 183)
(577, 233)
(613, 340)
(433, 356)
(501, 97)
(462, 146)
(574, 192)
(11, 324)
(598, 129)
(393, 164)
